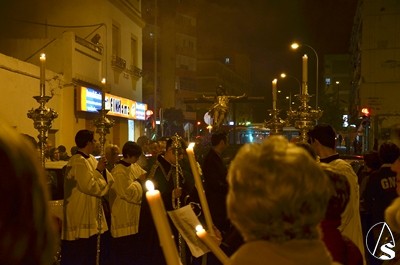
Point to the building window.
(134, 51)
(116, 40)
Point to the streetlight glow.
(294, 45)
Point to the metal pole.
(316, 78)
(155, 66)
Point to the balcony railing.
(118, 62)
(135, 71)
(89, 45)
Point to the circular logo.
(380, 242)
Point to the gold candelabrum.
(304, 118)
(103, 125)
(275, 124)
(42, 116)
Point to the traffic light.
(366, 117)
(365, 112)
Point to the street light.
(284, 75)
(295, 46)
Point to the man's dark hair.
(62, 149)
(388, 152)
(83, 137)
(217, 137)
(325, 134)
(131, 149)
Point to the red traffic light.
(365, 111)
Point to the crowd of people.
(277, 202)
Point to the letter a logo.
(380, 242)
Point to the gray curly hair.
(277, 192)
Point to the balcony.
(135, 72)
(118, 63)
(94, 47)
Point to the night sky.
(264, 29)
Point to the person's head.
(62, 149)
(54, 154)
(111, 153)
(371, 160)
(132, 151)
(341, 193)
(174, 149)
(220, 91)
(84, 139)
(219, 141)
(143, 141)
(322, 135)
(27, 234)
(388, 152)
(277, 192)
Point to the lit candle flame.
(199, 228)
(149, 185)
(191, 145)
(42, 57)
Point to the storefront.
(128, 115)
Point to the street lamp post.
(284, 75)
(294, 46)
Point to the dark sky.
(264, 29)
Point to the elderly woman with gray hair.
(277, 199)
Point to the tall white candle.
(212, 245)
(103, 93)
(199, 187)
(42, 74)
(305, 74)
(274, 95)
(161, 222)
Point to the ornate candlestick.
(103, 124)
(275, 124)
(305, 117)
(42, 116)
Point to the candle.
(305, 62)
(167, 241)
(212, 245)
(103, 94)
(42, 74)
(274, 93)
(199, 187)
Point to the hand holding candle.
(212, 245)
(199, 187)
(161, 222)
(305, 74)
(274, 96)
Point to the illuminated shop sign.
(141, 111)
(90, 101)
